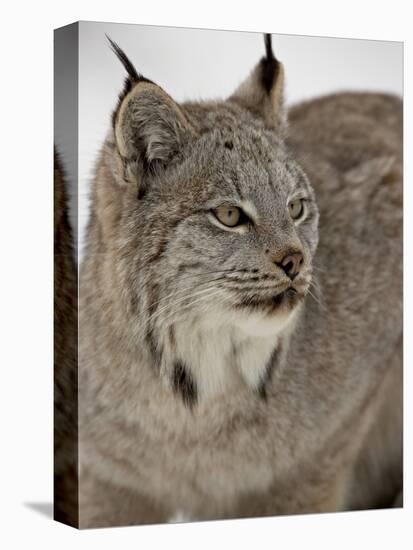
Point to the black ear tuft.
(126, 62)
(262, 92)
(268, 46)
(270, 66)
(133, 77)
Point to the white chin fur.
(206, 345)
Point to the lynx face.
(220, 220)
(235, 228)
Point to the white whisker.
(186, 306)
(159, 312)
(317, 300)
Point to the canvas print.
(228, 275)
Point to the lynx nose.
(292, 264)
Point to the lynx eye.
(229, 215)
(296, 208)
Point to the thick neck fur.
(209, 356)
(199, 358)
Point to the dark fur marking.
(184, 384)
(256, 300)
(288, 298)
(172, 339)
(134, 303)
(163, 242)
(141, 192)
(243, 282)
(184, 267)
(269, 369)
(165, 239)
(156, 353)
(191, 247)
(237, 186)
(153, 292)
(270, 66)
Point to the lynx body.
(241, 306)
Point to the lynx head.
(212, 220)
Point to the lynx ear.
(149, 127)
(262, 92)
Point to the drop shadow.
(43, 508)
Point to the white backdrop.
(205, 64)
(26, 280)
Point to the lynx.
(241, 306)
